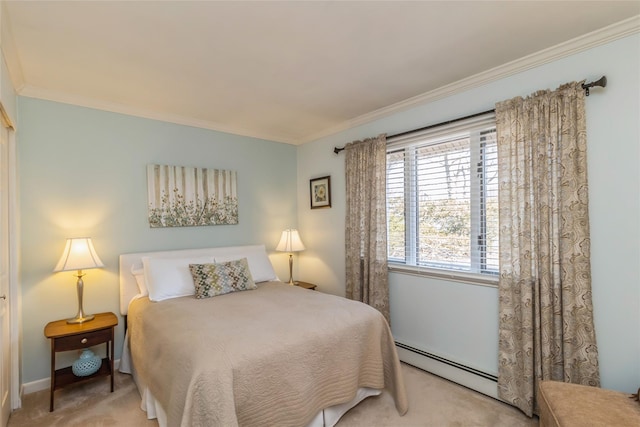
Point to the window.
(442, 197)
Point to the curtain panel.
(546, 329)
(366, 223)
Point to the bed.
(272, 355)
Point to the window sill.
(453, 276)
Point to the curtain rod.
(602, 82)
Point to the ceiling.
(281, 71)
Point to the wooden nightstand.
(66, 337)
(305, 285)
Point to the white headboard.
(256, 256)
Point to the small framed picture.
(320, 192)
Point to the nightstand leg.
(110, 346)
(53, 375)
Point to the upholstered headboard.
(256, 255)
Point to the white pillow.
(259, 263)
(170, 277)
(138, 273)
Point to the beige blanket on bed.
(274, 356)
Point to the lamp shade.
(78, 254)
(290, 241)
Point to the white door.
(5, 342)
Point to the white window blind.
(442, 198)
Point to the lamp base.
(80, 316)
(290, 270)
(82, 319)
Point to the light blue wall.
(83, 172)
(459, 320)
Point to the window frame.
(410, 142)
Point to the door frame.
(15, 300)
(14, 297)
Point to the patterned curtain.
(546, 315)
(366, 223)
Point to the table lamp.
(290, 242)
(79, 255)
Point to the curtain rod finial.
(602, 82)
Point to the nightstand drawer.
(75, 342)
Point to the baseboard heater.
(459, 373)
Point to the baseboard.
(460, 376)
(45, 383)
(480, 383)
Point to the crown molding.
(587, 41)
(9, 51)
(596, 38)
(65, 98)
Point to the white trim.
(45, 383)
(37, 385)
(449, 275)
(451, 373)
(596, 38)
(9, 51)
(587, 41)
(114, 107)
(15, 294)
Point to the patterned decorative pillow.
(221, 278)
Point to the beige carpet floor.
(433, 401)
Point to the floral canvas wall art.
(182, 196)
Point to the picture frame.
(320, 192)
